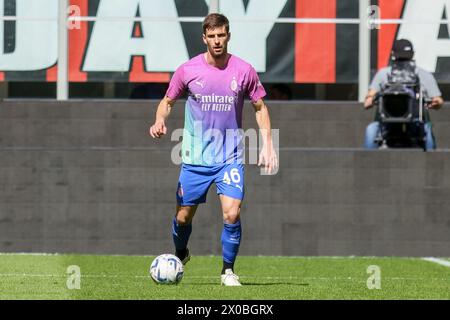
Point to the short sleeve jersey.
(213, 110)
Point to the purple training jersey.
(213, 113)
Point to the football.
(167, 269)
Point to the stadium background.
(82, 176)
(316, 61)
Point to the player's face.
(217, 41)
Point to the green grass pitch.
(26, 276)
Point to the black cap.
(402, 50)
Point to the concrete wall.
(84, 177)
(125, 124)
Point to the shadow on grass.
(273, 284)
(252, 284)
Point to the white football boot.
(230, 279)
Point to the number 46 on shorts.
(232, 176)
(232, 181)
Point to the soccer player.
(217, 83)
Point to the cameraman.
(402, 51)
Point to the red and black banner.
(137, 51)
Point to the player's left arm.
(268, 156)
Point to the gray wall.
(124, 124)
(85, 177)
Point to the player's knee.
(184, 217)
(183, 220)
(231, 215)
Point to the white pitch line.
(442, 262)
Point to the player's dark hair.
(215, 20)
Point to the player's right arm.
(159, 128)
(177, 86)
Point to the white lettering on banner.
(424, 37)
(35, 41)
(248, 40)
(112, 46)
